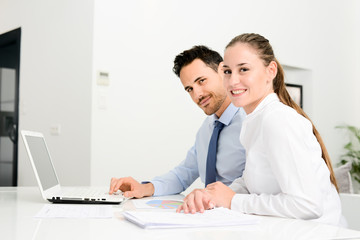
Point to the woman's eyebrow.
(238, 65)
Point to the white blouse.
(285, 174)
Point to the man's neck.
(223, 107)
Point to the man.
(198, 72)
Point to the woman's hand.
(199, 200)
(220, 194)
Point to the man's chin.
(208, 111)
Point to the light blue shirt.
(230, 155)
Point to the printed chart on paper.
(162, 203)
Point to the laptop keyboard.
(93, 193)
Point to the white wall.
(335, 62)
(55, 80)
(303, 77)
(150, 122)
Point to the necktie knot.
(219, 125)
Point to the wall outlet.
(103, 78)
(55, 130)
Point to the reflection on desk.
(19, 205)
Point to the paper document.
(75, 211)
(211, 218)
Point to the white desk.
(19, 205)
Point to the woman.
(288, 171)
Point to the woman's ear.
(272, 70)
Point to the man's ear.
(221, 70)
(272, 70)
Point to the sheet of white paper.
(210, 218)
(75, 211)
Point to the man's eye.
(189, 90)
(202, 80)
(227, 72)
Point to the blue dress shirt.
(230, 162)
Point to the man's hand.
(131, 188)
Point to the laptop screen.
(42, 161)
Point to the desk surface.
(19, 205)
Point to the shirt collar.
(227, 115)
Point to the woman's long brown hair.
(266, 53)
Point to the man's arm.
(179, 178)
(173, 182)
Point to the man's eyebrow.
(198, 78)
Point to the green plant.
(352, 151)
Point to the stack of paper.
(211, 218)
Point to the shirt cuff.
(238, 202)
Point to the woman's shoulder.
(280, 115)
(278, 110)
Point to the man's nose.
(198, 93)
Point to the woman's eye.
(244, 69)
(227, 72)
(201, 81)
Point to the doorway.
(9, 106)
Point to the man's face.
(204, 86)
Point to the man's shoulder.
(208, 121)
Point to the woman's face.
(247, 80)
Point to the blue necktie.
(211, 157)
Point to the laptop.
(48, 181)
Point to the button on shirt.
(230, 162)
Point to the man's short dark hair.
(209, 57)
